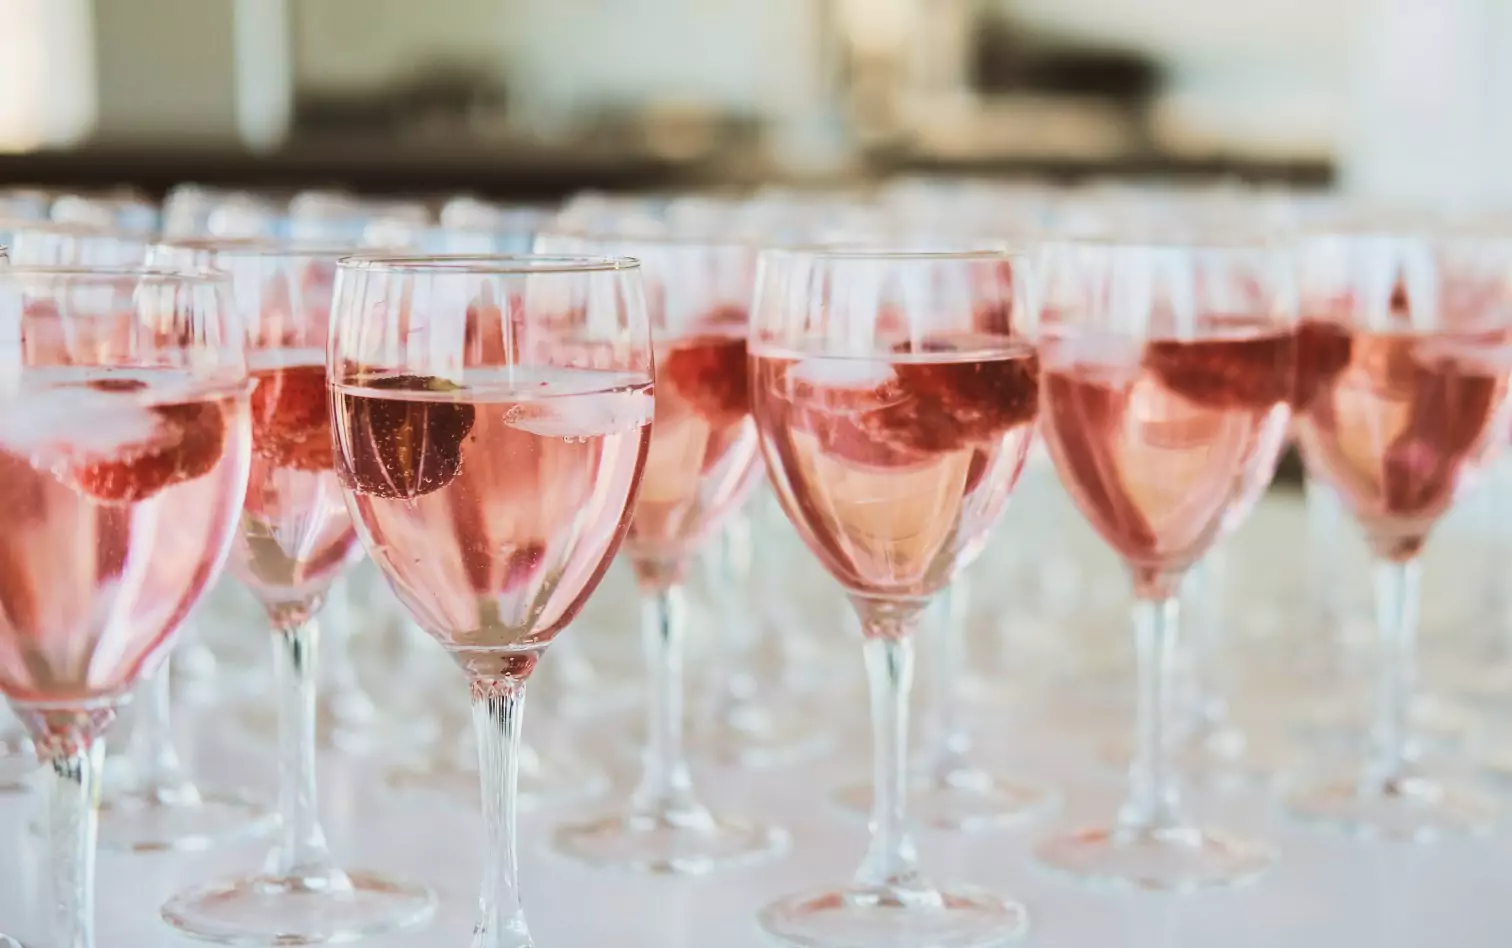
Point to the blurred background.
(1399, 100)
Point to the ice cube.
(580, 417)
(78, 421)
(853, 374)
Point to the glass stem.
(155, 761)
(71, 743)
(1396, 604)
(498, 704)
(666, 787)
(949, 740)
(891, 862)
(1154, 802)
(302, 852)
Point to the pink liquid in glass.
(493, 507)
(118, 495)
(1159, 443)
(894, 468)
(1399, 423)
(296, 535)
(703, 449)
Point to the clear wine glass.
(47, 244)
(126, 211)
(895, 402)
(701, 465)
(125, 399)
(1166, 379)
(294, 538)
(948, 790)
(490, 445)
(1405, 351)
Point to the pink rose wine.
(893, 468)
(296, 535)
(493, 507)
(1159, 442)
(115, 506)
(1400, 423)
(703, 448)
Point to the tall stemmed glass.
(1405, 352)
(895, 402)
(1166, 378)
(490, 445)
(123, 395)
(700, 468)
(295, 538)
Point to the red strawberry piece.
(712, 374)
(403, 448)
(291, 418)
(947, 405)
(193, 437)
(1323, 351)
(1254, 372)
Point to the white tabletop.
(1327, 890)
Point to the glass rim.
(496, 264)
(257, 247)
(844, 250)
(20, 225)
(610, 237)
(102, 276)
(1444, 235)
(1259, 240)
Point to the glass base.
(1413, 809)
(964, 800)
(768, 737)
(688, 843)
(341, 726)
(155, 822)
(7, 941)
(265, 910)
(1223, 757)
(1176, 859)
(884, 918)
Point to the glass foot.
(1413, 809)
(145, 821)
(266, 910)
(7, 941)
(964, 800)
(1221, 757)
(886, 918)
(767, 737)
(1177, 859)
(691, 842)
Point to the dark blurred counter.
(522, 173)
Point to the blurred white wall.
(47, 73)
(166, 71)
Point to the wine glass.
(895, 402)
(490, 445)
(125, 404)
(294, 538)
(1404, 351)
(699, 470)
(48, 244)
(1166, 374)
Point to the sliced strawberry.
(403, 448)
(1323, 351)
(1254, 372)
(291, 418)
(193, 437)
(712, 374)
